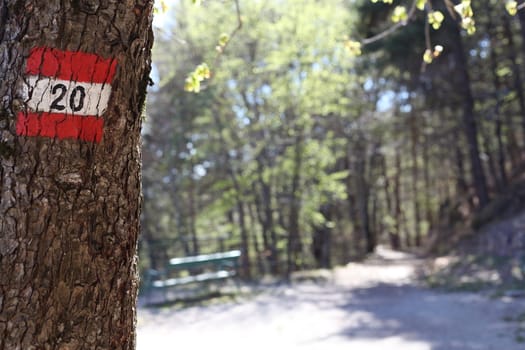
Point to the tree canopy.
(307, 146)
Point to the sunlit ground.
(368, 306)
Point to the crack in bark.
(3, 19)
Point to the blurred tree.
(309, 155)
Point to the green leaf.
(512, 7)
(503, 71)
(339, 175)
(353, 47)
(435, 18)
(192, 83)
(399, 14)
(428, 56)
(469, 25)
(464, 9)
(203, 71)
(223, 39)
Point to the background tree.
(305, 155)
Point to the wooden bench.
(199, 269)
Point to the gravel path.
(374, 305)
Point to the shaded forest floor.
(378, 304)
(490, 258)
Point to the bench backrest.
(226, 259)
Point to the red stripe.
(62, 126)
(69, 65)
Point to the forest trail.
(375, 305)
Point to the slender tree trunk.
(447, 184)
(516, 71)
(326, 260)
(497, 92)
(357, 234)
(148, 228)
(322, 239)
(521, 17)
(255, 240)
(294, 246)
(239, 193)
(501, 152)
(415, 180)
(70, 171)
(397, 197)
(461, 186)
(374, 215)
(257, 213)
(193, 213)
(180, 221)
(426, 180)
(266, 219)
(393, 235)
(469, 121)
(245, 242)
(362, 191)
(239, 203)
(494, 174)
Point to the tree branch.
(392, 29)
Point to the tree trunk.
(193, 213)
(294, 246)
(414, 133)
(322, 239)
(493, 61)
(393, 235)
(266, 217)
(70, 171)
(353, 214)
(376, 225)
(493, 171)
(398, 211)
(256, 246)
(233, 173)
(516, 70)
(469, 121)
(362, 191)
(245, 244)
(521, 17)
(426, 179)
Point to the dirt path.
(375, 305)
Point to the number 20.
(61, 90)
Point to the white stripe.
(43, 94)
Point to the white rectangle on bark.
(43, 94)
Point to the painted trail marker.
(66, 94)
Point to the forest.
(306, 133)
(302, 174)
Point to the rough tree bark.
(70, 196)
